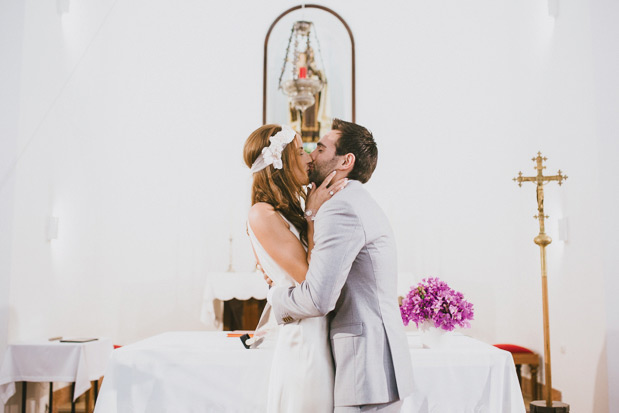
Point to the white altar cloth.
(53, 361)
(224, 286)
(209, 372)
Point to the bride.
(301, 378)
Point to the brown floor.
(84, 404)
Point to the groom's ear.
(348, 162)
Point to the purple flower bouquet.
(434, 301)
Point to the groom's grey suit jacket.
(353, 278)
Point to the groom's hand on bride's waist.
(272, 288)
(266, 277)
(268, 281)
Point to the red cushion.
(512, 348)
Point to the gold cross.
(540, 180)
(543, 240)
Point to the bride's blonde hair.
(277, 187)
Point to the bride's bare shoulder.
(260, 210)
(262, 217)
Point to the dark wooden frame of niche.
(266, 43)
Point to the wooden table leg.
(534, 382)
(51, 397)
(73, 398)
(24, 387)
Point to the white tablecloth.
(224, 286)
(209, 372)
(53, 361)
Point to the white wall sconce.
(553, 8)
(63, 6)
(563, 229)
(52, 228)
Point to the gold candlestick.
(543, 240)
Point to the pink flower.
(432, 299)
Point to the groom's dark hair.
(359, 141)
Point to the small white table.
(53, 361)
(208, 371)
(224, 286)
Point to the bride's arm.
(315, 198)
(278, 241)
(310, 240)
(276, 238)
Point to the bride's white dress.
(301, 378)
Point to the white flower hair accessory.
(272, 154)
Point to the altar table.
(210, 372)
(224, 286)
(53, 361)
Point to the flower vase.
(431, 337)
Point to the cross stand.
(543, 240)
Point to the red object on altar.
(239, 333)
(302, 72)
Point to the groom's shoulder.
(359, 200)
(348, 199)
(354, 193)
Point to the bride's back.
(275, 272)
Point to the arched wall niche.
(337, 46)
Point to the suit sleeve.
(338, 239)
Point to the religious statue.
(315, 121)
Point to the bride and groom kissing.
(330, 257)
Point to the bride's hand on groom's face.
(318, 196)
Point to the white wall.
(133, 116)
(606, 62)
(11, 30)
(486, 85)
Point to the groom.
(352, 277)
